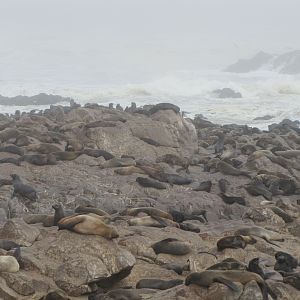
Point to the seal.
(118, 294)
(43, 148)
(189, 227)
(7, 245)
(227, 169)
(9, 264)
(55, 295)
(253, 266)
(223, 185)
(8, 133)
(12, 149)
(22, 189)
(151, 211)
(293, 280)
(128, 170)
(204, 186)
(60, 213)
(228, 264)
(263, 233)
(256, 188)
(90, 209)
(157, 284)
(152, 221)
(171, 246)
(234, 242)
(219, 145)
(233, 199)
(86, 224)
(196, 215)
(172, 159)
(39, 159)
(98, 153)
(10, 160)
(285, 262)
(176, 267)
(66, 155)
(148, 182)
(282, 214)
(150, 141)
(208, 277)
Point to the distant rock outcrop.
(40, 99)
(287, 63)
(227, 93)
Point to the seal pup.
(208, 277)
(253, 266)
(7, 245)
(285, 262)
(39, 159)
(148, 182)
(171, 246)
(55, 295)
(22, 189)
(98, 153)
(233, 199)
(223, 185)
(179, 216)
(10, 160)
(228, 264)
(9, 264)
(235, 242)
(60, 213)
(263, 233)
(219, 145)
(152, 221)
(151, 211)
(177, 267)
(189, 227)
(86, 224)
(204, 186)
(227, 169)
(12, 149)
(293, 280)
(157, 284)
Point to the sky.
(64, 37)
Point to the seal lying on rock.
(228, 264)
(55, 295)
(151, 211)
(40, 159)
(234, 242)
(7, 245)
(171, 246)
(86, 224)
(147, 182)
(90, 209)
(158, 284)
(228, 199)
(263, 233)
(152, 221)
(10, 160)
(98, 153)
(208, 277)
(285, 262)
(22, 189)
(227, 169)
(204, 186)
(12, 149)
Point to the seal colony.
(142, 203)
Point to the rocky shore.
(149, 205)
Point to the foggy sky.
(143, 35)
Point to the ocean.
(264, 93)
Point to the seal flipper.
(227, 282)
(268, 241)
(69, 223)
(159, 220)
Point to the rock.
(227, 93)
(20, 283)
(264, 118)
(19, 232)
(74, 260)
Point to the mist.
(128, 40)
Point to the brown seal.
(171, 246)
(12, 149)
(66, 155)
(227, 169)
(157, 284)
(55, 295)
(151, 211)
(86, 224)
(39, 159)
(148, 182)
(22, 189)
(228, 264)
(234, 242)
(152, 221)
(90, 209)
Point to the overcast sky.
(143, 34)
